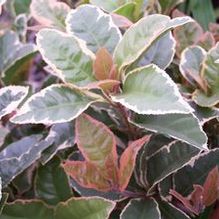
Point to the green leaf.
(196, 172)
(141, 36)
(165, 161)
(191, 63)
(10, 98)
(126, 10)
(95, 27)
(61, 137)
(19, 155)
(12, 50)
(50, 12)
(210, 73)
(54, 104)
(168, 5)
(3, 201)
(52, 184)
(169, 211)
(141, 208)
(67, 56)
(84, 208)
(27, 210)
(183, 127)
(160, 53)
(21, 7)
(149, 90)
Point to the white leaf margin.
(26, 108)
(14, 104)
(81, 44)
(169, 82)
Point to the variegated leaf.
(10, 98)
(54, 104)
(183, 127)
(141, 208)
(149, 90)
(49, 12)
(209, 73)
(95, 27)
(141, 36)
(81, 208)
(67, 56)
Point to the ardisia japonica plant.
(125, 124)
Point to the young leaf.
(19, 155)
(141, 36)
(93, 26)
(87, 175)
(12, 50)
(97, 144)
(10, 98)
(49, 12)
(54, 104)
(81, 208)
(127, 161)
(149, 90)
(103, 64)
(67, 56)
(210, 73)
(52, 184)
(183, 127)
(32, 209)
(141, 208)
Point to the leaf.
(169, 211)
(67, 56)
(160, 53)
(149, 90)
(27, 210)
(103, 64)
(84, 208)
(168, 5)
(97, 144)
(165, 161)
(49, 12)
(126, 10)
(196, 172)
(121, 21)
(190, 65)
(141, 36)
(54, 104)
(19, 155)
(10, 98)
(209, 73)
(12, 50)
(3, 201)
(96, 28)
(141, 208)
(3, 133)
(52, 184)
(186, 35)
(207, 41)
(183, 127)
(61, 137)
(87, 175)
(127, 161)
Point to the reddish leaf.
(103, 64)
(98, 145)
(87, 175)
(214, 29)
(207, 41)
(121, 21)
(127, 161)
(211, 187)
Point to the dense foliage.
(109, 109)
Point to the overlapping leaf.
(12, 50)
(143, 94)
(49, 12)
(183, 127)
(93, 26)
(54, 104)
(10, 98)
(67, 56)
(141, 36)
